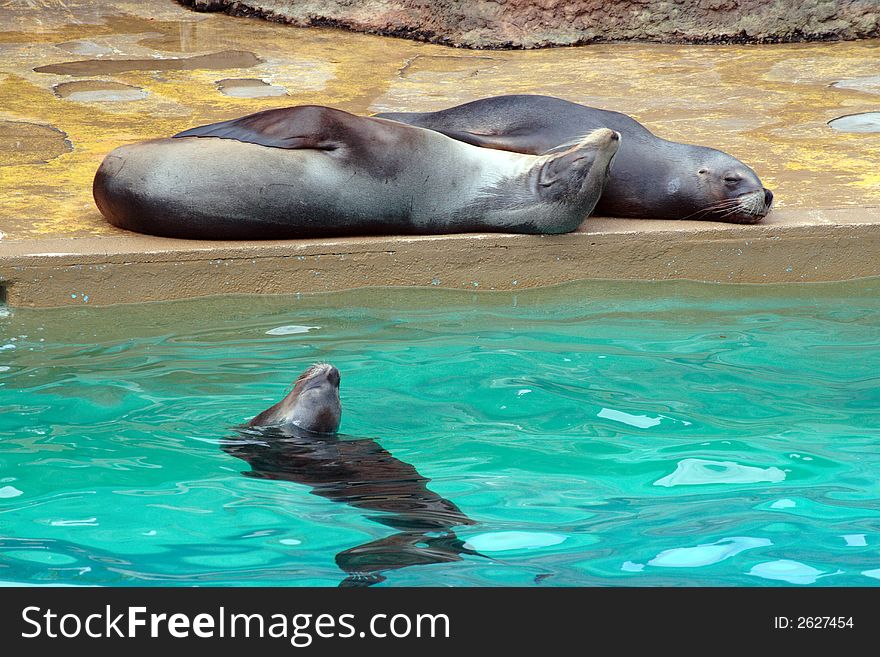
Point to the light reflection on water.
(671, 434)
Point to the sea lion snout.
(601, 136)
(749, 207)
(323, 373)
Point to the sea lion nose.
(768, 197)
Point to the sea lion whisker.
(727, 206)
(701, 213)
(760, 206)
(728, 201)
(753, 203)
(721, 205)
(747, 204)
(731, 212)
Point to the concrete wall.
(788, 247)
(537, 23)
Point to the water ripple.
(596, 434)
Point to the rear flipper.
(305, 126)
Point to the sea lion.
(296, 440)
(652, 178)
(312, 171)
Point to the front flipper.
(288, 127)
(513, 143)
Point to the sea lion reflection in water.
(295, 440)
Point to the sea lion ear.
(561, 167)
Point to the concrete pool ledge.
(789, 246)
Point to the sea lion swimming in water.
(652, 178)
(314, 171)
(295, 440)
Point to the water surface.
(594, 434)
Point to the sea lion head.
(731, 191)
(569, 181)
(312, 405)
(553, 192)
(579, 169)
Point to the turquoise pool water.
(594, 434)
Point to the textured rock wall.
(537, 23)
